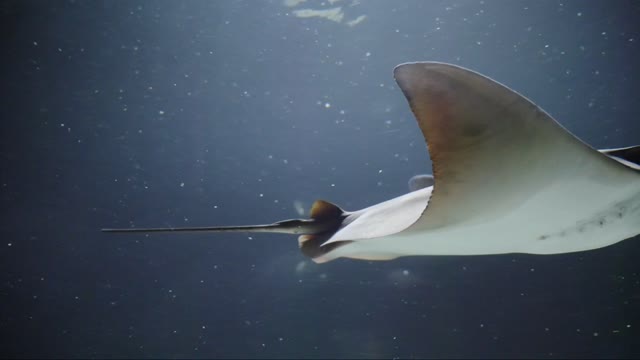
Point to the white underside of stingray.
(544, 223)
(508, 179)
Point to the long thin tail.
(325, 217)
(296, 226)
(244, 228)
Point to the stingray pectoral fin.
(507, 179)
(493, 150)
(373, 257)
(382, 219)
(629, 156)
(358, 256)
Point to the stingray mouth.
(311, 245)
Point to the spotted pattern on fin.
(601, 220)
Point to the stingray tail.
(276, 227)
(325, 217)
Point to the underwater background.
(202, 113)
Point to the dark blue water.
(167, 113)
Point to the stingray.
(507, 178)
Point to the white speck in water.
(327, 105)
(161, 112)
(181, 184)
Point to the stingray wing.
(491, 148)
